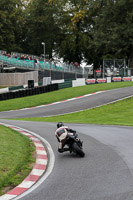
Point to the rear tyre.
(78, 150)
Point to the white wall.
(58, 81)
(78, 82)
(15, 79)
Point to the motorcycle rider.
(62, 133)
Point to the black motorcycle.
(75, 145)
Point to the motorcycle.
(75, 145)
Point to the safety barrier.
(21, 92)
(127, 79)
(78, 82)
(65, 84)
(107, 80)
(16, 87)
(116, 79)
(90, 81)
(28, 92)
(101, 80)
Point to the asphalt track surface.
(105, 173)
(71, 106)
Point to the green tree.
(76, 20)
(11, 23)
(69, 19)
(90, 47)
(75, 29)
(40, 27)
(113, 29)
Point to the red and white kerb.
(37, 171)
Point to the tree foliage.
(75, 29)
(40, 27)
(114, 30)
(11, 26)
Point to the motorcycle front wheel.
(78, 150)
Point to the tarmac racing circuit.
(106, 171)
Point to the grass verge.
(58, 95)
(119, 113)
(17, 151)
(17, 156)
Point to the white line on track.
(50, 166)
(49, 169)
(58, 102)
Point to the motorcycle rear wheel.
(78, 150)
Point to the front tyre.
(78, 150)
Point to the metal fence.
(116, 67)
(39, 64)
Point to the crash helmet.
(60, 124)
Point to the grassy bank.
(17, 151)
(119, 113)
(17, 155)
(59, 95)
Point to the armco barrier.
(126, 79)
(101, 80)
(116, 79)
(90, 81)
(28, 92)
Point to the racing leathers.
(62, 134)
